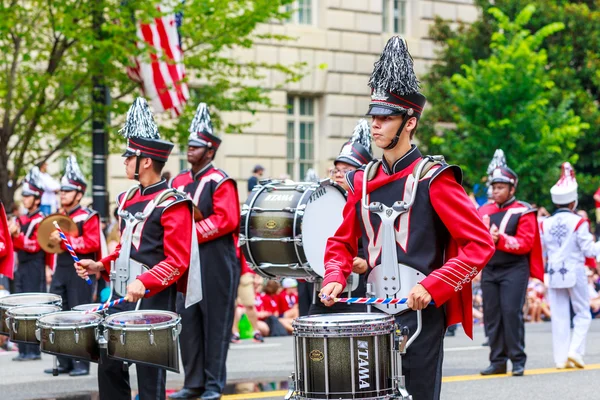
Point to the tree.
(51, 50)
(507, 101)
(573, 63)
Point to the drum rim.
(48, 325)
(108, 324)
(356, 319)
(20, 295)
(26, 317)
(87, 309)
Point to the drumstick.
(370, 300)
(69, 247)
(108, 304)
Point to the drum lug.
(301, 188)
(38, 334)
(151, 337)
(122, 337)
(7, 321)
(51, 337)
(76, 334)
(176, 331)
(15, 325)
(241, 240)
(291, 387)
(102, 339)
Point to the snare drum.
(285, 227)
(70, 333)
(144, 337)
(87, 307)
(21, 321)
(24, 299)
(344, 356)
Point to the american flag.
(162, 78)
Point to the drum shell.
(56, 300)
(137, 347)
(25, 327)
(72, 340)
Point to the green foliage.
(508, 100)
(52, 49)
(572, 65)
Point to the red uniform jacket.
(7, 260)
(519, 235)
(161, 242)
(87, 241)
(442, 235)
(27, 241)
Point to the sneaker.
(235, 338)
(576, 360)
(258, 338)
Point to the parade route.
(268, 365)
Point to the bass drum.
(285, 227)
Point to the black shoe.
(20, 357)
(494, 370)
(33, 357)
(79, 372)
(450, 333)
(61, 370)
(186, 393)
(486, 343)
(518, 370)
(210, 395)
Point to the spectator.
(166, 176)
(257, 173)
(288, 299)
(597, 201)
(51, 188)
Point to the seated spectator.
(288, 299)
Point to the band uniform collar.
(77, 207)
(198, 174)
(403, 162)
(508, 203)
(33, 213)
(154, 188)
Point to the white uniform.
(567, 239)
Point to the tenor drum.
(70, 333)
(344, 356)
(285, 227)
(24, 299)
(146, 336)
(21, 321)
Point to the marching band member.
(567, 239)
(163, 242)
(514, 229)
(87, 244)
(31, 274)
(440, 237)
(206, 330)
(354, 154)
(6, 246)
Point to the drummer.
(6, 246)
(87, 244)
(206, 327)
(30, 277)
(441, 237)
(163, 243)
(354, 154)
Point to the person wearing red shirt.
(162, 240)
(597, 201)
(6, 246)
(515, 231)
(439, 237)
(206, 327)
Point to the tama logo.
(363, 364)
(279, 197)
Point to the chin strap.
(405, 119)
(136, 175)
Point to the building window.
(300, 136)
(302, 12)
(394, 16)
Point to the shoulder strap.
(427, 162)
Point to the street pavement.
(266, 366)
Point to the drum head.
(322, 217)
(32, 311)
(23, 299)
(86, 307)
(358, 324)
(69, 318)
(156, 318)
(342, 319)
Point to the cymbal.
(46, 227)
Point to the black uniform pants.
(74, 291)
(422, 363)
(305, 297)
(206, 327)
(30, 277)
(504, 288)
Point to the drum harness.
(389, 267)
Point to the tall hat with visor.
(73, 179)
(394, 85)
(32, 184)
(357, 151)
(498, 171)
(201, 130)
(143, 139)
(311, 176)
(565, 190)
